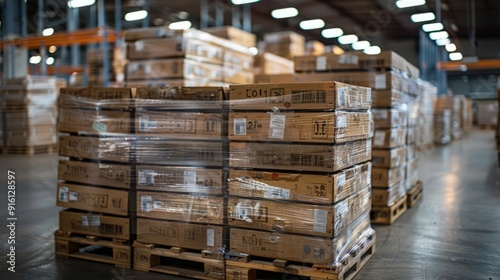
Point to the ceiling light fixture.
(451, 47)
(348, 39)
(443, 42)
(80, 3)
(312, 24)
(48, 31)
(52, 49)
(284, 13)
(253, 50)
(332, 33)
(409, 3)
(360, 45)
(456, 56)
(373, 50)
(430, 27)
(242, 2)
(423, 17)
(180, 25)
(439, 35)
(35, 59)
(137, 15)
(50, 60)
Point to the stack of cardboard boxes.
(452, 103)
(468, 115)
(268, 63)
(442, 126)
(95, 62)
(487, 111)
(286, 44)
(425, 134)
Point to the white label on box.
(368, 147)
(341, 121)
(85, 221)
(139, 45)
(94, 221)
(73, 196)
(277, 126)
(320, 219)
(243, 212)
(240, 126)
(190, 178)
(210, 237)
(63, 194)
(380, 81)
(348, 59)
(157, 204)
(146, 177)
(99, 126)
(341, 96)
(143, 123)
(369, 95)
(341, 181)
(147, 69)
(146, 203)
(341, 211)
(321, 63)
(277, 193)
(379, 138)
(152, 125)
(380, 114)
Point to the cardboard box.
(293, 217)
(390, 98)
(180, 179)
(387, 177)
(384, 197)
(176, 83)
(179, 125)
(233, 75)
(389, 138)
(284, 36)
(389, 158)
(92, 97)
(99, 174)
(234, 34)
(93, 199)
(388, 59)
(134, 34)
(411, 135)
(190, 153)
(173, 68)
(94, 224)
(238, 59)
(30, 117)
(95, 122)
(312, 188)
(268, 63)
(321, 158)
(173, 98)
(303, 96)
(184, 235)
(181, 207)
(325, 62)
(412, 173)
(389, 118)
(411, 151)
(327, 127)
(111, 149)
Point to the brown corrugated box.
(100, 174)
(321, 158)
(174, 68)
(321, 189)
(388, 59)
(411, 135)
(387, 178)
(32, 116)
(94, 199)
(389, 118)
(316, 96)
(388, 98)
(135, 34)
(173, 97)
(180, 179)
(94, 224)
(184, 235)
(232, 75)
(234, 34)
(181, 207)
(327, 127)
(95, 122)
(325, 62)
(112, 149)
(268, 63)
(389, 138)
(284, 36)
(92, 97)
(176, 83)
(389, 158)
(238, 59)
(386, 197)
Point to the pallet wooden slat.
(388, 215)
(415, 194)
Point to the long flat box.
(268, 63)
(30, 117)
(234, 34)
(284, 36)
(177, 234)
(388, 59)
(293, 217)
(179, 125)
(92, 97)
(21, 97)
(176, 83)
(325, 62)
(93, 199)
(389, 118)
(233, 75)
(386, 197)
(238, 59)
(311, 188)
(326, 127)
(95, 122)
(94, 224)
(134, 34)
(180, 179)
(166, 152)
(304, 96)
(388, 98)
(321, 158)
(173, 68)
(389, 138)
(387, 177)
(181, 207)
(389, 158)
(173, 97)
(110, 149)
(34, 132)
(99, 174)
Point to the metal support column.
(242, 17)
(145, 21)
(15, 58)
(43, 48)
(91, 21)
(73, 24)
(212, 13)
(118, 17)
(101, 19)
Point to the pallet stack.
(96, 185)
(425, 134)
(28, 112)
(286, 44)
(487, 111)
(299, 180)
(268, 63)
(95, 62)
(452, 103)
(442, 126)
(468, 115)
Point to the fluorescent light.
(48, 31)
(137, 15)
(442, 42)
(348, 39)
(451, 47)
(180, 25)
(35, 59)
(80, 3)
(430, 27)
(312, 24)
(439, 35)
(423, 17)
(52, 49)
(456, 56)
(373, 50)
(241, 2)
(332, 33)
(49, 60)
(284, 13)
(409, 3)
(360, 45)
(253, 50)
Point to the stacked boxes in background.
(442, 126)
(487, 111)
(286, 44)
(299, 174)
(95, 62)
(268, 63)
(234, 34)
(468, 115)
(425, 134)
(452, 103)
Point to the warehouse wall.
(486, 48)
(474, 86)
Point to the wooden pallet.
(415, 194)
(389, 214)
(249, 268)
(179, 261)
(93, 248)
(34, 150)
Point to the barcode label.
(277, 126)
(341, 97)
(85, 221)
(240, 126)
(94, 221)
(157, 204)
(146, 177)
(320, 219)
(380, 81)
(380, 114)
(341, 121)
(348, 59)
(210, 237)
(277, 193)
(190, 178)
(321, 63)
(63, 194)
(139, 45)
(368, 147)
(369, 95)
(99, 126)
(73, 196)
(146, 203)
(143, 123)
(152, 125)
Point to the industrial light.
(49, 60)
(80, 3)
(439, 35)
(241, 2)
(373, 50)
(360, 45)
(456, 56)
(348, 39)
(52, 49)
(430, 27)
(423, 17)
(451, 47)
(337, 50)
(409, 3)
(35, 59)
(137, 15)
(312, 24)
(443, 42)
(253, 50)
(180, 25)
(284, 13)
(48, 31)
(332, 33)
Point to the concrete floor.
(454, 233)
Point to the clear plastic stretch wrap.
(389, 138)
(427, 93)
(442, 126)
(100, 174)
(387, 178)
(389, 118)
(389, 158)
(412, 173)
(384, 197)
